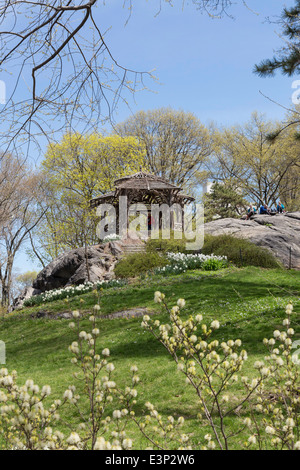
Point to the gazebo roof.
(146, 187)
(142, 180)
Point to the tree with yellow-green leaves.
(291, 189)
(75, 170)
(256, 164)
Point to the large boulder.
(78, 266)
(96, 263)
(279, 233)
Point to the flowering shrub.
(271, 399)
(71, 291)
(278, 397)
(27, 424)
(212, 368)
(179, 263)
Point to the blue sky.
(203, 65)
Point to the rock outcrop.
(279, 233)
(76, 267)
(25, 294)
(79, 266)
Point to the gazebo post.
(117, 220)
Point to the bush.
(239, 251)
(139, 263)
(213, 264)
(167, 246)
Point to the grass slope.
(249, 303)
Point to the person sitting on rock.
(264, 210)
(251, 211)
(280, 207)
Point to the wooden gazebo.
(143, 188)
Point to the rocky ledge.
(279, 233)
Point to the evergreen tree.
(287, 59)
(222, 202)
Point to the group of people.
(265, 210)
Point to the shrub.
(214, 264)
(139, 263)
(239, 251)
(165, 246)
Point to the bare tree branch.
(61, 71)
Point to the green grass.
(249, 303)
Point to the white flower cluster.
(96, 372)
(197, 258)
(25, 422)
(71, 291)
(111, 238)
(180, 262)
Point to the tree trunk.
(5, 295)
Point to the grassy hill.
(249, 304)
